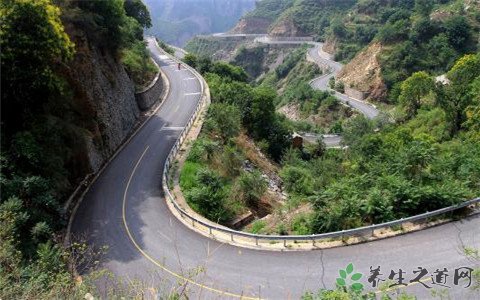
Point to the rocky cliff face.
(103, 100)
(286, 27)
(250, 25)
(363, 73)
(330, 45)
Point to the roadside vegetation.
(40, 128)
(307, 109)
(414, 35)
(425, 160)
(214, 179)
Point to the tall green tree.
(413, 89)
(137, 10)
(224, 119)
(32, 39)
(455, 97)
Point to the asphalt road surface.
(125, 209)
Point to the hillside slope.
(405, 36)
(68, 102)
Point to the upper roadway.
(125, 209)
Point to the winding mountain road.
(331, 69)
(125, 209)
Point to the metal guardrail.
(212, 229)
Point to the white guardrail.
(212, 230)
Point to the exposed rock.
(291, 111)
(251, 25)
(330, 45)
(363, 73)
(104, 100)
(286, 27)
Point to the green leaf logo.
(350, 268)
(348, 276)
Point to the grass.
(257, 226)
(188, 174)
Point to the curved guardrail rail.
(213, 229)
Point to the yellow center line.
(151, 259)
(181, 277)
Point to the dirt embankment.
(251, 25)
(330, 45)
(363, 73)
(286, 27)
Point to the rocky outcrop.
(363, 74)
(286, 27)
(103, 102)
(251, 25)
(330, 45)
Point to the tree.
(32, 39)
(413, 89)
(458, 30)
(191, 60)
(252, 187)
(423, 7)
(109, 23)
(137, 10)
(473, 110)
(208, 198)
(337, 27)
(354, 129)
(455, 97)
(226, 70)
(224, 119)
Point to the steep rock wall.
(103, 102)
(363, 74)
(251, 25)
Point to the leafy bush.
(223, 119)
(138, 63)
(209, 196)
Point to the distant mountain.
(177, 21)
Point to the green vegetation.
(41, 129)
(237, 107)
(138, 64)
(425, 161)
(251, 60)
(415, 35)
(205, 46)
(292, 78)
(270, 9)
(422, 164)
(165, 47)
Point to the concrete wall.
(151, 94)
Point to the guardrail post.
(373, 230)
(284, 243)
(210, 230)
(231, 236)
(256, 241)
(193, 222)
(313, 242)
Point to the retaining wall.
(151, 94)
